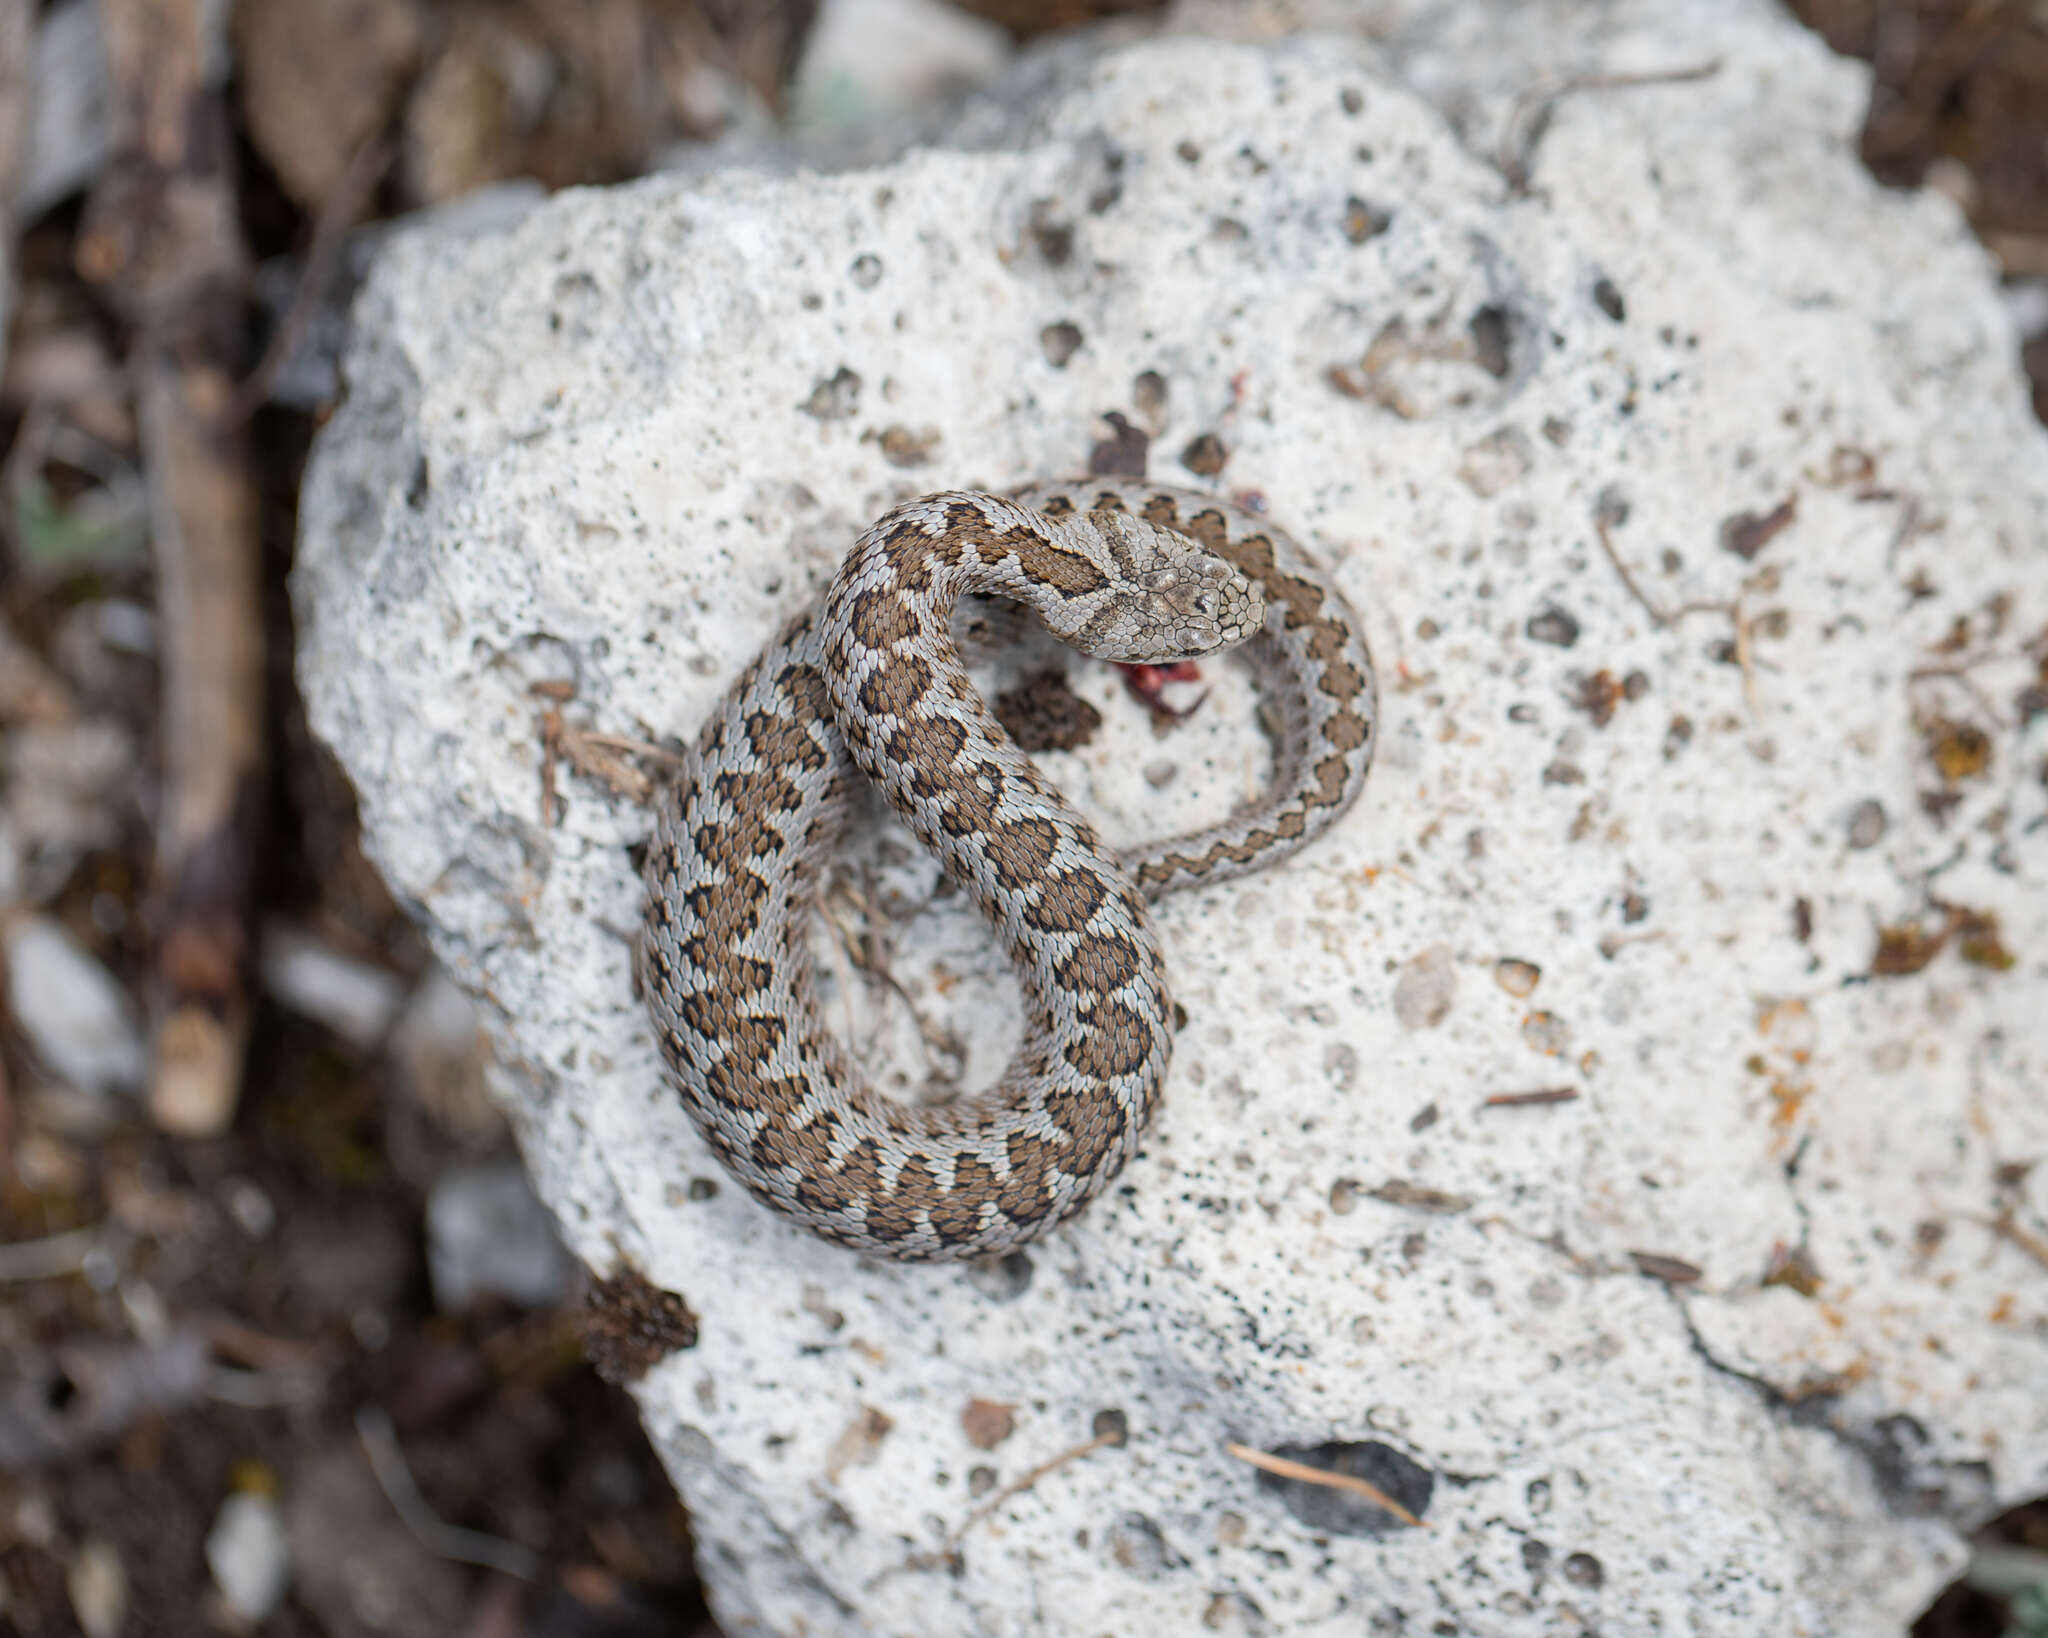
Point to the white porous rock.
(1685, 483)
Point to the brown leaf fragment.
(1205, 455)
(1122, 454)
(1978, 942)
(1958, 750)
(2012, 1174)
(317, 78)
(903, 447)
(1905, 948)
(1045, 714)
(1349, 381)
(2007, 1228)
(630, 1325)
(1597, 695)
(988, 1423)
(29, 690)
(859, 1444)
(1745, 533)
(1793, 1267)
(1671, 1270)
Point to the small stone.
(987, 1423)
(1553, 626)
(903, 447)
(1866, 824)
(1498, 461)
(488, 1236)
(1205, 456)
(1518, 978)
(1363, 221)
(98, 1586)
(1148, 397)
(1547, 1033)
(440, 1058)
(1747, 533)
(836, 399)
(75, 1015)
(1060, 342)
(1428, 982)
(353, 998)
(249, 1555)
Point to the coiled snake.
(870, 682)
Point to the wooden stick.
(162, 240)
(1281, 1467)
(17, 50)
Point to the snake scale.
(869, 683)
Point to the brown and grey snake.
(870, 682)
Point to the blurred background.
(286, 1344)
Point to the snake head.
(1168, 597)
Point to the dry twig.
(1281, 1467)
(387, 1462)
(161, 239)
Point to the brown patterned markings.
(926, 751)
(1066, 902)
(880, 619)
(976, 797)
(836, 1188)
(895, 689)
(1024, 1196)
(893, 1212)
(1212, 529)
(1094, 1126)
(749, 1042)
(1029, 843)
(781, 739)
(827, 822)
(730, 909)
(1331, 774)
(735, 972)
(1162, 512)
(1255, 843)
(1347, 730)
(1108, 500)
(782, 1145)
(1066, 571)
(1115, 1041)
(1057, 506)
(955, 1215)
(1100, 964)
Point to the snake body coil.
(870, 683)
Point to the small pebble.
(487, 1235)
(354, 999)
(73, 1012)
(98, 1586)
(249, 1555)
